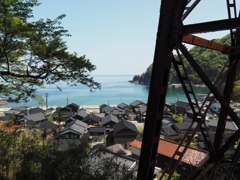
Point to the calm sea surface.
(115, 89)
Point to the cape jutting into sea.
(115, 89)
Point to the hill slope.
(210, 61)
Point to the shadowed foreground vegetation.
(28, 155)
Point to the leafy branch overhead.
(33, 53)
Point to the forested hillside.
(211, 62)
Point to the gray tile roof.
(65, 109)
(74, 105)
(109, 118)
(11, 111)
(122, 125)
(182, 104)
(76, 126)
(136, 103)
(92, 117)
(117, 111)
(184, 126)
(82, 113)
(108, 109)
(230, 125)
(122, 105)
(35, 110)
(143, 109)
(98, 159)
(21, 108)
(47, 125)
(96, 129)
(36, 117)
(168, 130)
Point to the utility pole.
(67, 100)
(46, 101)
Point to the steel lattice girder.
(171, 32)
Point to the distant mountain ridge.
(211, 62)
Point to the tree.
(27, 155)
(236, 91)
(33, 53)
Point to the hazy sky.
(118, 36)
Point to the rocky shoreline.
(170, 84)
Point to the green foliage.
(177, 117)
(39, 99)
(140, 132)
(236, 91)
(50, 118)
(33, 53)
(211, 62)
(175, 176)
(28, 155)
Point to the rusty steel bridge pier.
(171, 36)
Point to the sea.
(115, 89)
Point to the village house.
(119, 113)
(46, 126)
(100, 157)
(107, 109)
(123, 106)
(82, 113)
(141, 113)
(35, 110)
(124, 132)
(136, 104)
(230, 127)
(180, 107)
(74, 107)
(109, 120)
(73, 130)
(97, 134)
(101, 108)
(92, 120)
(192, 159)
(35, 118)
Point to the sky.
(118, 36)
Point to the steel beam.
(209, 84)
(212, 26)
(194, 40)
(170, 9)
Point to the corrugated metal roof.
(193, 156)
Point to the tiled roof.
(182, 104)
(77, 126)
(143, 109)
(35, 110)
(136, 103)
(82, 113)
(47, 125)
(109, 118)
(193, 156)
(116, 148)
(92, 117)
(108, 109)
(101, 115)
(8, 128)
(21, 108)
(73, 105)
(230, 125)
(122, 125)
(36, 117)
(96, 129)
(122, 105)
